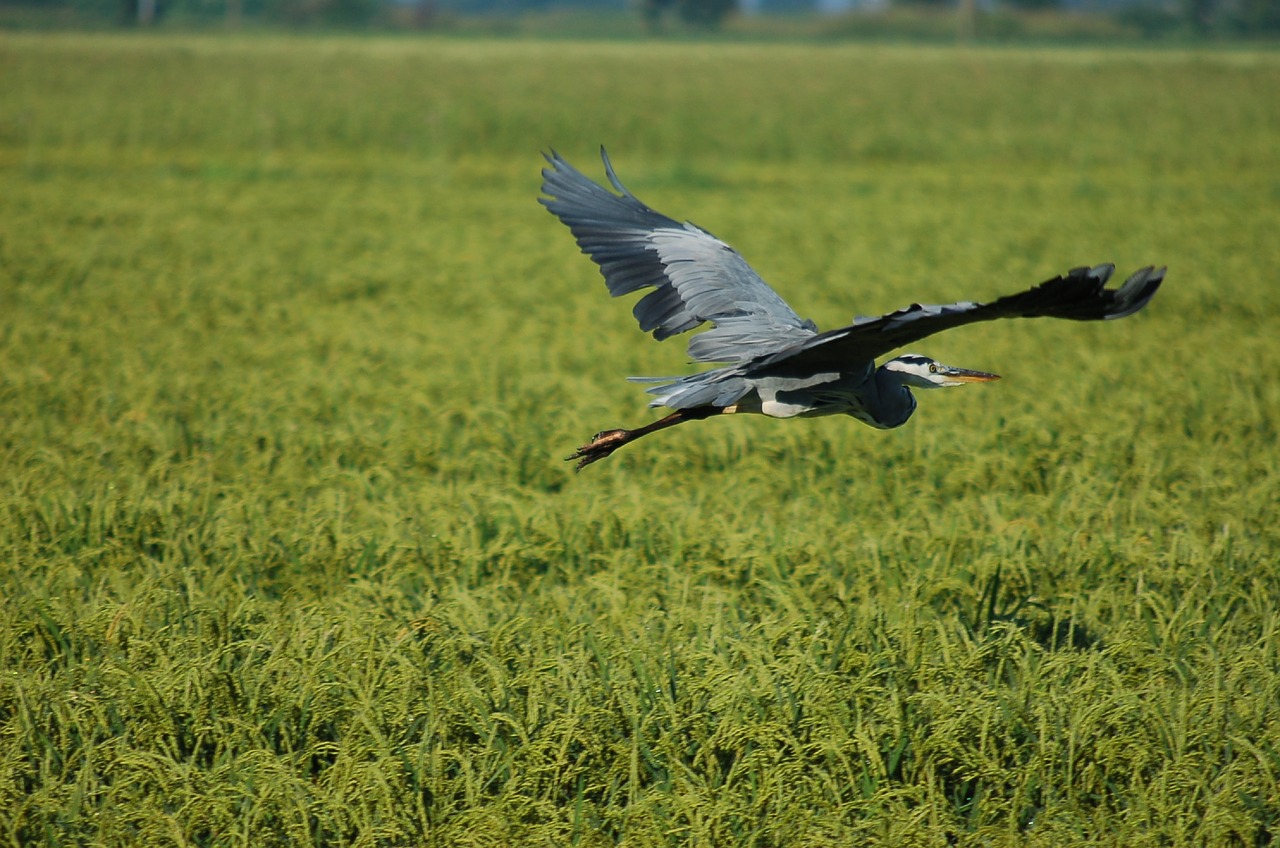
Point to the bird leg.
(607, 441)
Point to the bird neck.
(894, 402)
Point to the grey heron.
(776, 363)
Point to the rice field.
(290, 358)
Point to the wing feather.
(1079, 295)
(696, 278)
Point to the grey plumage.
(778, 363)
(695, 277)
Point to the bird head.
(921, 372)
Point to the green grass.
(289, 357)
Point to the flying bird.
(776, 363)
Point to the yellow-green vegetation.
(289, 358)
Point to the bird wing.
(695, 276)
(1079, 295)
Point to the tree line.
(1205, 17)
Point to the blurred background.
(1044, 20)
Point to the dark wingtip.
(554, 161)
(613, 177)
(554, 177)
(553, 157)
(1081, 294)
(1102, 272)
(1137, 291)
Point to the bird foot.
(601, 445)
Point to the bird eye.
(933, 368)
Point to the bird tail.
(718, 387)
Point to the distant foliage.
(341, 13)
(1032, 4)
(1256, 15)
(1221, 17)
(334, 12)
(703, 13)
(1149, 18)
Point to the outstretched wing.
(1079, 295)
(695, 277)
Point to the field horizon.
(290, 358)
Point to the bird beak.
(964, 375)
